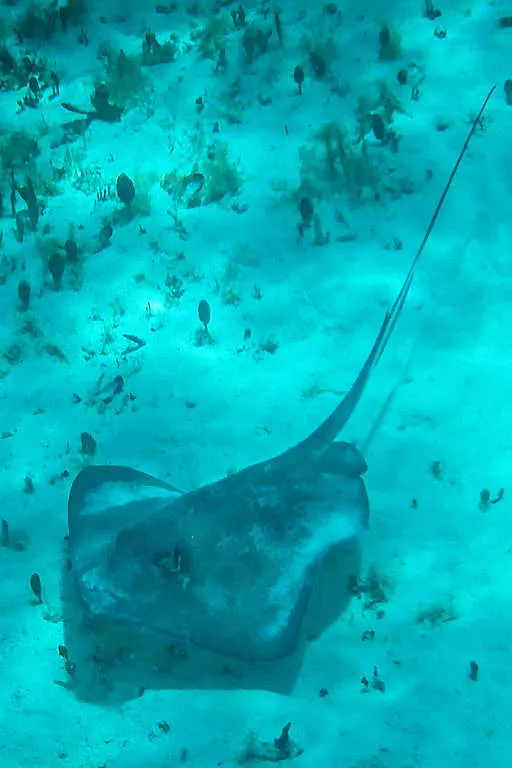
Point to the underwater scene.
(255, 377)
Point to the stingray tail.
(334, 423)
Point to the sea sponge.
(211, 37)
(18, 150)
(125, 82)
(332, 164)
(390, 43)
(222, 176)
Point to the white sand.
(450, 357)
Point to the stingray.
(230, 567)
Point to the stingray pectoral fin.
(341, 458)
(336, 518)
(103, 501)
(91, 477)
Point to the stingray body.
(229, 567)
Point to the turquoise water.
(207, 211)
